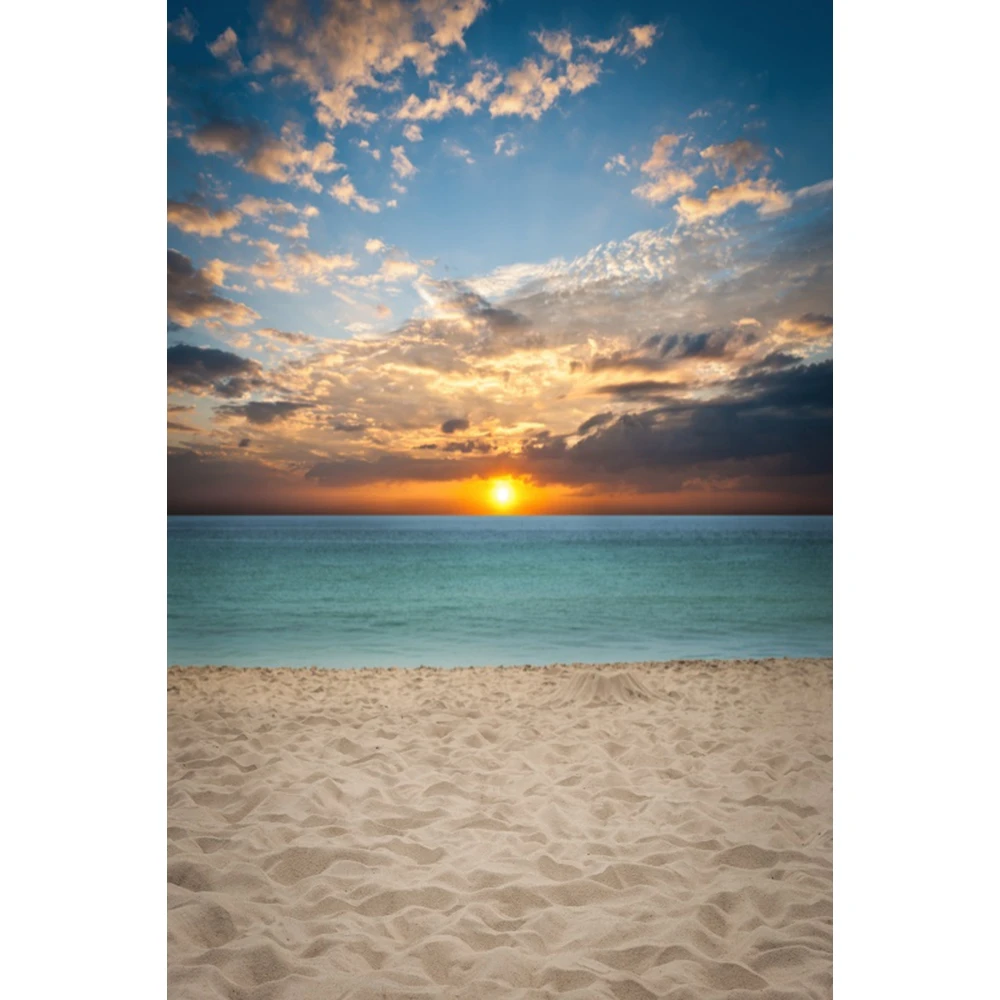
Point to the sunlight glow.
(502, 493)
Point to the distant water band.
(461, 591)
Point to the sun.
(502, 493)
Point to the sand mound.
(592, 688)
(376, 834)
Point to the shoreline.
(576, 664)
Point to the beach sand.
(625, 831)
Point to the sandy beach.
(624, 831)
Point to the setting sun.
(502, 493)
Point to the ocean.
(463, 591)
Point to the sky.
(469, 257)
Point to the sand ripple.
(630, 831)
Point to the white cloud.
(814, 190)
(347, 194)
(353, 44)
(226, 49)
(286, 272)
(763, 193)
(284, 160)
(446, 98)
(374, 245)
(412, 133)
(666, 179)
(601, 46)
(506, 144)
(738, 156)
(184, 27)
(200, 220)
(556, 43)
(617, 164)
(639, 38)
(533, 87)
(452, 148)
(401, 163)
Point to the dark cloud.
(597, 420)
(660, 351)
(262, 413)
(643, 389)
(457, 424)
(244, 442)
(774, 422)
(818, 323)
(192, 297)
(772, 362)
(469, 447)
(222, 135)
(206, 484)
(398, 468)
(347, 427)
(173, 425)
(207, 370)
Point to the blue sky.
(471, 210)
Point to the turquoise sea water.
(459, 591)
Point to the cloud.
(191, 296)
(226, 49)
(452, 148)
(765, 194)
(259, 413)
(662, 352)
(200, 220)
(666, 332)
(394, 270)
(532, 88)
(390, 271)
(412, 133)
(209, 371)
(638, 39)
(738, 156)
(354, 44)
(814, 190)
(184, 27)
(506, 144)
(556, 43)
(661, 157)
(446, 98)
(287, 337)
(455, 424)
(258, 208)
(347, 194)
(601, 46)
(618, 164)
(808, 327)
(770, 423)
(284, 272)
(667, 180)
(700, 113)
(374, 246)
(284, 160)
(401, 163)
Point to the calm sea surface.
(457, 591)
